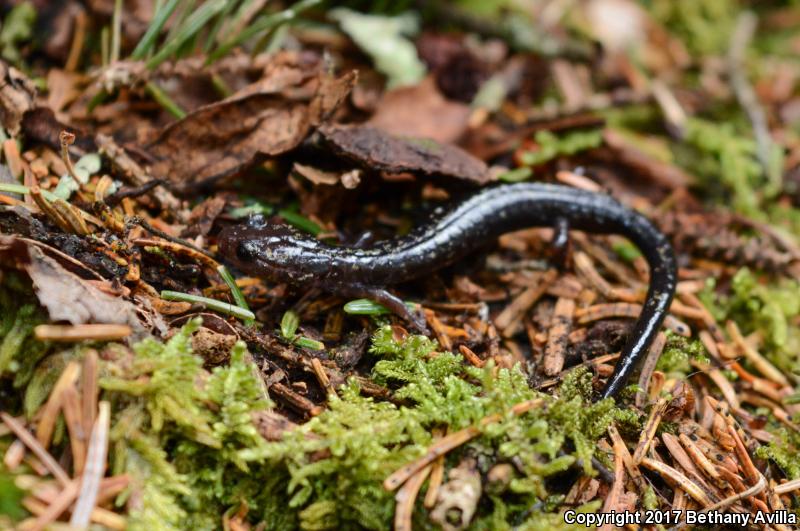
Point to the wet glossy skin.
(283, 254)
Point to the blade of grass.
(221, 19)
(105, 45)
(188, 29)
(148, 40)
(299, 221)
(368, 307)
(211, 304)
(11, 188)
(235, 291)
(289, 324)
(164, 100)
(307, 342)
(116, 30)
(262, 24)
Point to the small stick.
(437, 476)
(438, 329)
(89, 390)
(54, 510)
(14, 455)
(77, 437)
(649, 366)
(78, 39)
(83, 332)
(47, 420)
(510, 318)
(649, 430)
(699, 458)
(613, 497)
(179, 247)
(322, 376)
(759, 362)
(95, 468)
(470, 356)
(622, 450)
(454, 440)
(752, 491)
(557, 337)
(671, 475)
(35, 446)
(295, 400)
(405, 498)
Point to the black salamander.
(283, 254)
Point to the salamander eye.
(245, 252)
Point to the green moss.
(717, 153)
(703, 25)
(179, 432)
(766, 306)
(784, 449)
(552, 146)
(10, 499)
(337, 461)
(19, 315)
(678, 353)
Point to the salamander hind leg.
(559, 243)
(392, 302)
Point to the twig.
(30, 441)
(95, 468)
(671, 475)
(560, 327)
(82, 332)
(649, 365)
(454, 440)
(649, 430)
(47, 420)
(752, 491)
(405, 498)
(212, 304)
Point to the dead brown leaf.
(66, 296)
(266, 118)
(378, 150)
(421, 111)
(16, 97)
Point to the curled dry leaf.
(421, 111)
(66, 296)
(378, 150)
(16, 97)
(266, 118)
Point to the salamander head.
(272, 250)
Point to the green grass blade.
(148, 40)
(190, 27)
(211, 304)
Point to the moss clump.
(337, 461)
(784, 449)
(716, 153)
(19, 315)
(703, 25)
(552, 146)
(769, 308)
(179, 431)
(678, 353)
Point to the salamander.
(283, 254)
